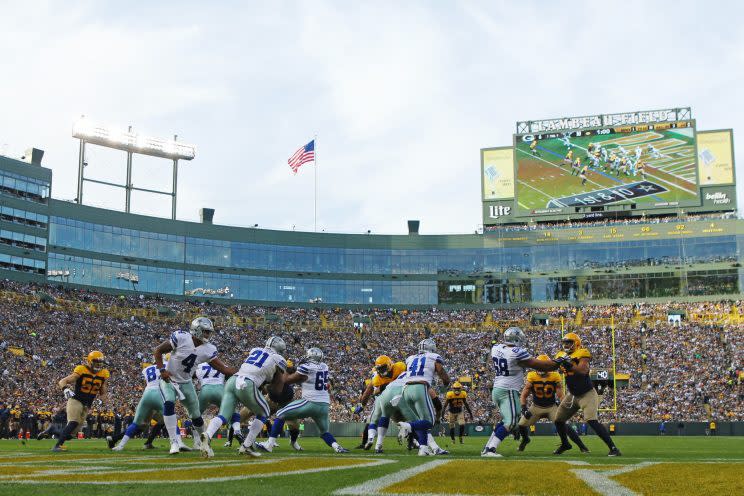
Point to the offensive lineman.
(510, 361)
(187, 349)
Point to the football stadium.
(587, 339)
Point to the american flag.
(302, 156)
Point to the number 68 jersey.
(185, 356)
(505, 359)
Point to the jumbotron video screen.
(650, 165)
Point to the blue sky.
(402, 95)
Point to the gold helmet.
(544, 358)
(457, 387)
(95, 361)
(571, 342)
(384, 365)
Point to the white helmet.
(314, 355)
(277, 344)
(201, 326)
(427, 345)
(514, 336)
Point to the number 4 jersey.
(509, 374)
(185, 356)
(315, 387)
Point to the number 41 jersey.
(185, 356)
(315, 387)
(422, 367)
(509, 374)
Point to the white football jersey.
(261, 365)
(420, 368)
(185, 356)
(209, 375)
(509, 374)
(151, 375)
(315, 387)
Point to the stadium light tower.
(132, 143)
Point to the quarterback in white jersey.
(187, 349)
(510, 361)
(262, 366)
(313, 374)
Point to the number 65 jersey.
(185, 356)
(315, 387)
(509, 374)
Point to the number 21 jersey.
(505, 359)
(185, 356)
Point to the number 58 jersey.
(505, 359)
(315, 387)
(185, 356)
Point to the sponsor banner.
(497, 167)
(715, 157)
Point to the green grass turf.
(635, 450)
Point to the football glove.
(358, 409)
(69, 393)
(526, 413)
(564, 362)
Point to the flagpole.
(315, 146)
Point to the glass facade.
(21, 264)
(19, 216)
(28, 188)
(22, 240)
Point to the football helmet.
(571, 342)
(514, 336)
(95, 361)
(277, 344)
(427, 346)
(201, 327)
(383, 365)
(457, 387)
(314, 355)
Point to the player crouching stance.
(263, 365)
(574, 360)
(313, 374)
(89, 381)
(188, 349)
(510, 361)
(544, 387)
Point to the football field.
(649, 465)
(545, 180)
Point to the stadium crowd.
(680, 372)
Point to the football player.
(150, 407)
(456, 399)
(574, 360)
(277, 401)
(385, 372)
(312, 373)
(533, 148)
(582, 174)
(264, 365)
(212, 384)
(510, 361)
(569, 157)
(576, 166)
(86, 382)
(416, 403)
(187, 349)
(546, 390)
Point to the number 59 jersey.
(185, 356)
(421, 367)
(261, 365)
(509, 374)
(315, 387)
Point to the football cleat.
(614, 452)
(341, 449)
(425, 451)
(204, 446)
(525, 442)
(368, 445)
(248, 450)
(296, 446)
(441, 451)
(182, 446)
(585, 450)
(174, 449)
(110, 441)
(560, 449)
(58, 449)
(148, 446)
(228, 444)
(265, 446)
(491, 452)
(118, 448)
(378, 451)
